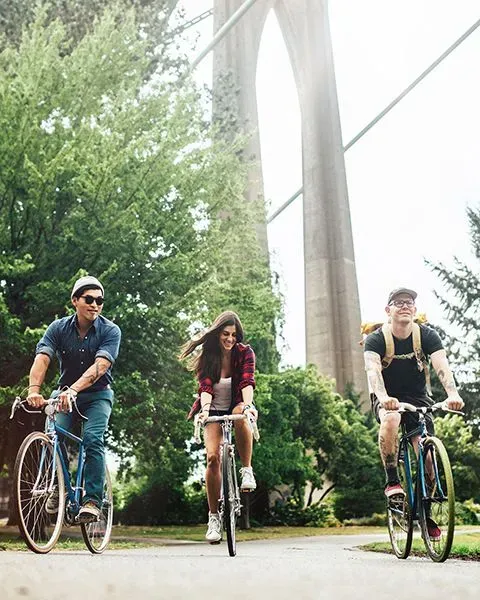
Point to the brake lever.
(19, 402)
(254, 427)
(15, 405)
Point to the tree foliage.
(462, 308)
(311, 434)
(464, 453)
(108, 169)
(79, 15)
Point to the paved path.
(327, 567)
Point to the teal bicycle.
(46, 495)
(429, 496)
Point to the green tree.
(79, 15)
(464, 452)
(311, 434)
(108, 170)
(461, 305)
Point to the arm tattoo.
(373, 367)
(90, 376)
(446, 379)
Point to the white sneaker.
(248, 480)
(214, 531)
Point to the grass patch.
(127, 537)
(11, 543)
(465, 546)
(197, 532)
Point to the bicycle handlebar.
(407, 407)
(50, 407)
(236, 417)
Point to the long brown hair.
(208, 362)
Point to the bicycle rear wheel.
(439, 502)
(96, 535)
(38, 478)
(229, 499)
(399, 513)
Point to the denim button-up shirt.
(76, 355)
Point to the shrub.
(467, 513)
(292, 513)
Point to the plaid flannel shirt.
(243, 375)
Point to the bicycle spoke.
(399, 514)
(96, 535)
(35, 471)
(437, 506)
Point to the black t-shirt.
(402, 377)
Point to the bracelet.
(34, 385)
(247, 406)
(73, 390)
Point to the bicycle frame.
(74, 493)
(227, 427)
(420, 474)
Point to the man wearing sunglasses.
(403, 380)
(86, 345)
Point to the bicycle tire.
(34, 475)
(229, 514)
(96, 535)
(400, 518)
(439, 503)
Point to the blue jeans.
(97, 407)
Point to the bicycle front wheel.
(39, 492)
(96, 535)
(436, 507)
(399, 514)
(229, 498)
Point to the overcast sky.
(410, 178)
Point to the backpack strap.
(422, 362)
(389, 345)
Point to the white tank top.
(222, 394)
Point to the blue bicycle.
(44, 496)
(429, 498)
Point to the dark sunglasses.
(91, 299)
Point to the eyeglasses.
(91, 299)
(400, 303)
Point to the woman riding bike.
(225, 368)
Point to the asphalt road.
(327, 567)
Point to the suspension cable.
(387, 109)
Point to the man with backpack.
(396, 357)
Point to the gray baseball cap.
(401, 290)
(87, 282)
